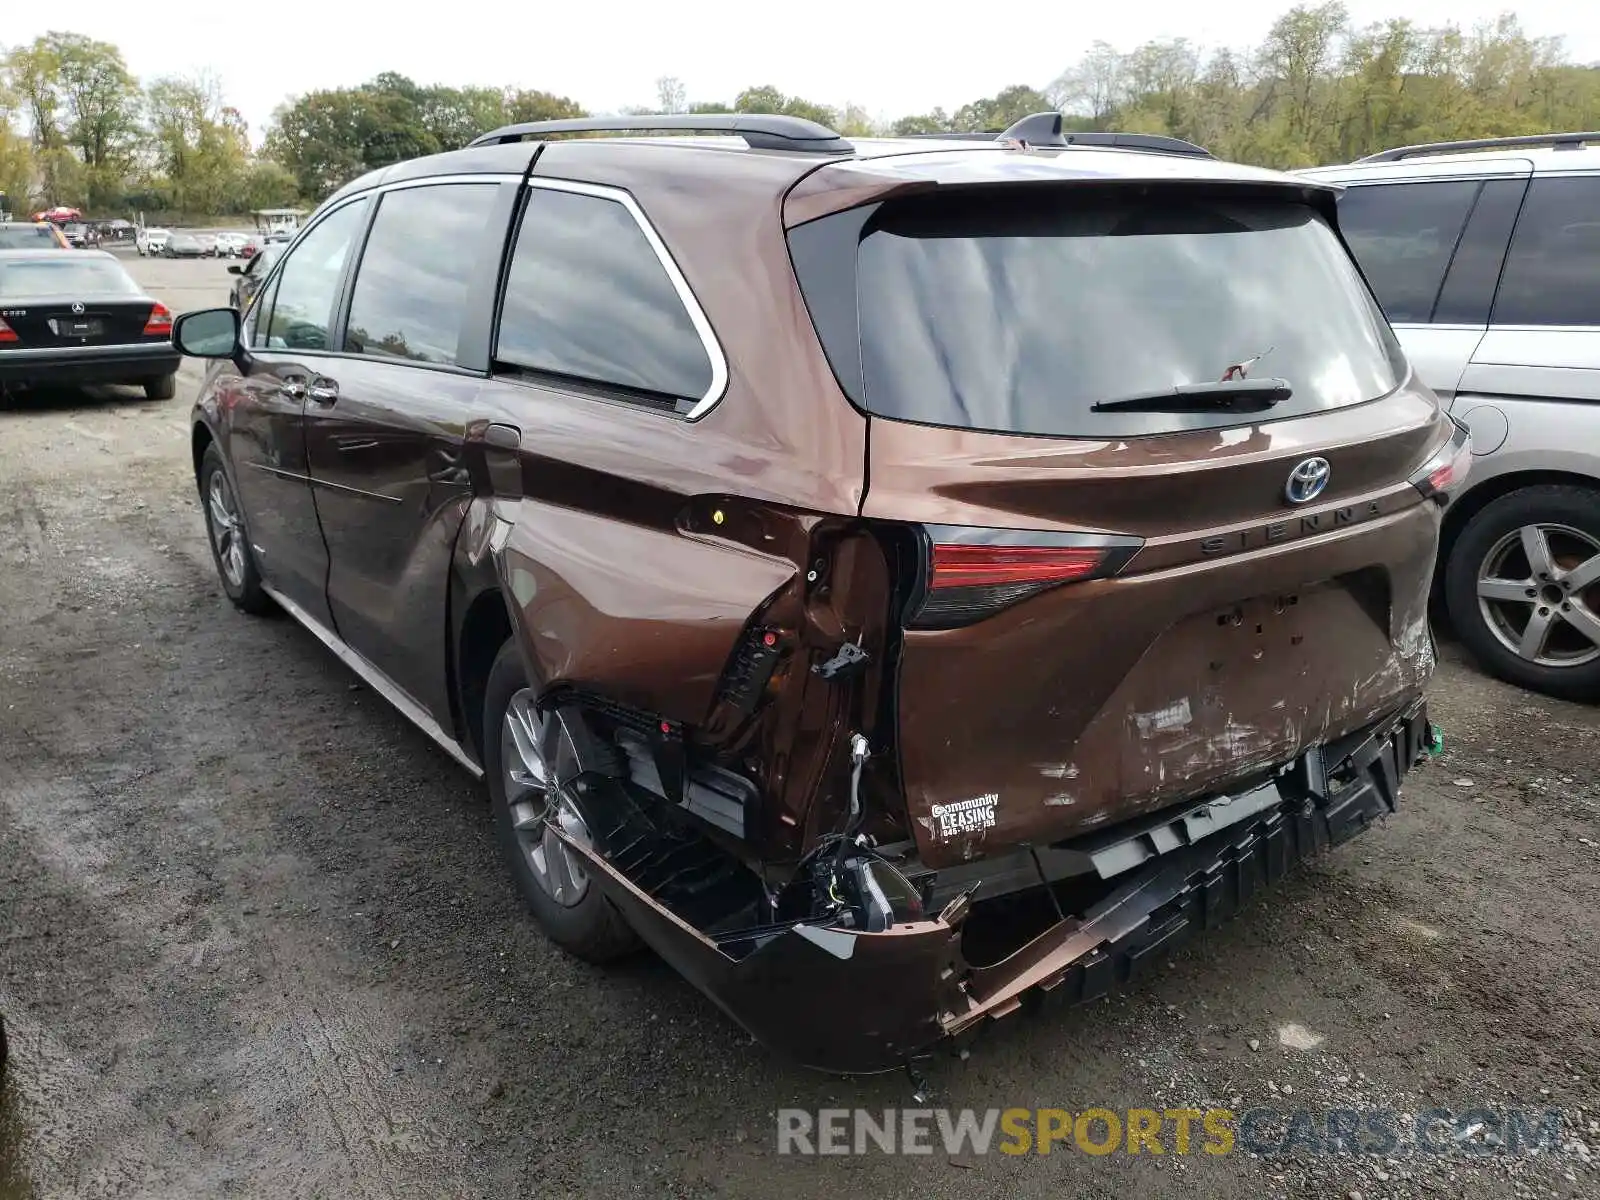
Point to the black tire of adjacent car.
(592, 929)
(1578, 507)
(163, 387)
(247, 596)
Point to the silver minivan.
(1485, 255)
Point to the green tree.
(1094, 87)
(31, 74)
(768, 99)
(937, 121)
(1000, 112)
(76, 92)
(855, 121)
(1318, 89)
(201, 146)
(327, 138)
(16, 154)
(522, 104)
(266, 184)
(101, 104)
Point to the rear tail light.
(160, 322)
(7, 334)
(1443, 474)
(973, 573)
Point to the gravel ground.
(255, 939)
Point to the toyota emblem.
(77, 308)
(1307, 481)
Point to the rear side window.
(1404, 235)
(68, 275)
(1552, 271)
(588, 299)
(411, 287)
(1018, 315)
(26, 237)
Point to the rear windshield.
(68, 275)
(1016, 315)
(26, 237)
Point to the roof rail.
(760, 131)
(1557, 141)
(1044, 129)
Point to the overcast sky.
(890, 56)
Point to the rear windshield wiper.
(1233, 395)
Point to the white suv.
(150, 241)
(1486, 257)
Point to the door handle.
(293, 389)
(506, 437)
(323, 391)
(501, 469)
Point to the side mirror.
(209, 333)
(235, 269)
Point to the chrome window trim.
(691, 304)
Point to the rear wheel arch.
(485, 627)
(1476, 499)
(199, 439)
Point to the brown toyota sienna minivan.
(888, 579)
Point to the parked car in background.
(251, 247)
(1030, 568)
(1486, 257)
(229, 244)
(151, 241)
(252, 272)
(80, 234)
(74, 319)
(183, 245)
(32, 235)
(207, 243)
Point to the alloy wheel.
(227, 531)
(1535, 587)
(523, 758)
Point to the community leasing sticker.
(966, 816)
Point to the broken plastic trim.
(850, 1001)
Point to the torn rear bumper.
(854, 1002)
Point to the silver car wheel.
(1533, 590)
(227, 531)
(526, 775)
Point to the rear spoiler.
(1044, 129)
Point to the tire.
(163, 387)
(591, 928)
(236, 565)
(1532, 616)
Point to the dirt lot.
(255, 940)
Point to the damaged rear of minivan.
(1132, 617)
